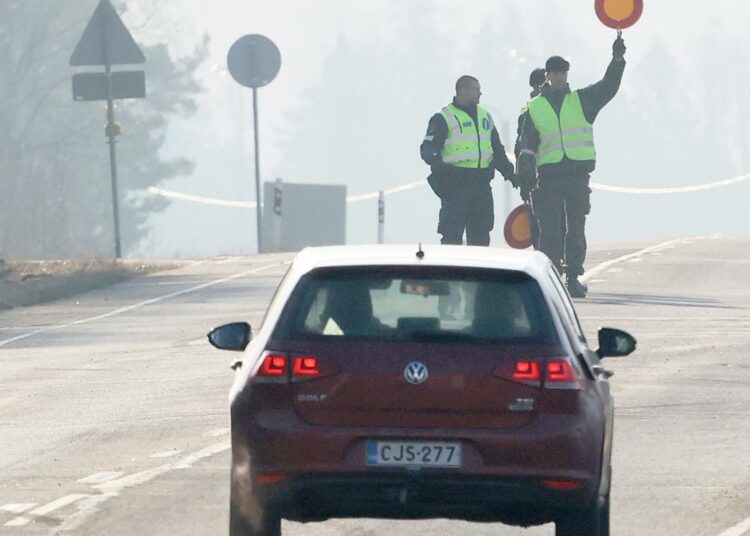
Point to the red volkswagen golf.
(400, 382)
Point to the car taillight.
(306, 366)
(274, 366)
(562, 485)
(560, 375)
(527, 371)
(556, 373)
(278, 367)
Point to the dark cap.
(536, 78)
(557, 64)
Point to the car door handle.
(601, 371)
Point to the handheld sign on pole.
(619, 14)
(517, 228)
(106, 41)
(254, 61)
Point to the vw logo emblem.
(416, 373)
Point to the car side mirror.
(615, 342)
(235, 336)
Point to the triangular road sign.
(106, 40)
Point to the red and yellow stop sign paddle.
(517, 228)
(619, 14)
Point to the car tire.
(268, 524)
(591, 521)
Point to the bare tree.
(54, 171)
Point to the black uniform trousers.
(466, 204)
(562, 203)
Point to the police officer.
(463, 149)
(526, 159)
(559, 130)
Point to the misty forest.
(359, 124)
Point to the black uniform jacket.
(437, 132)
(593, 99)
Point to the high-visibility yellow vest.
(569, 135)
(468, 145)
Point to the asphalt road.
(113, 408)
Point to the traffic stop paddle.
(619, 14)
(517, 229)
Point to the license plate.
(414, 453)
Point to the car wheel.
(265, 523)
(591, 521)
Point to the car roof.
(533, 263)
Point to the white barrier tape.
(198, 199)
(391, 191)
(252, 204)
(417, 184)
(684, 189)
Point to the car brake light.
(560, 375)
(270, 478)
(561, 485)
(274, 365)
(527, 371)
(306, 366)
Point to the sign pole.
(381, 217)
(107, 42)
(507, 189)
(258, 212)
(113, 160)
(254, 61)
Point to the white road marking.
(111, 489)
(98, 478)
(45, 509)
(615, 270)
(653, 250)
(188, 461)
(738, 530)
(592, 281)
(217, 433)
(166, 454)
(637, 259)
(17, 508)
(140, 304)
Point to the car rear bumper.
(556, 446)
(321, 472)
(316, 497)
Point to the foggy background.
(358, 82)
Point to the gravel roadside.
(24, 283)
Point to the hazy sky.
(308, 31)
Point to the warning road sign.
(106, 40)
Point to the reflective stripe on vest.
(569, 135)
(466, 146)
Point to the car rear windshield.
(416, 304)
